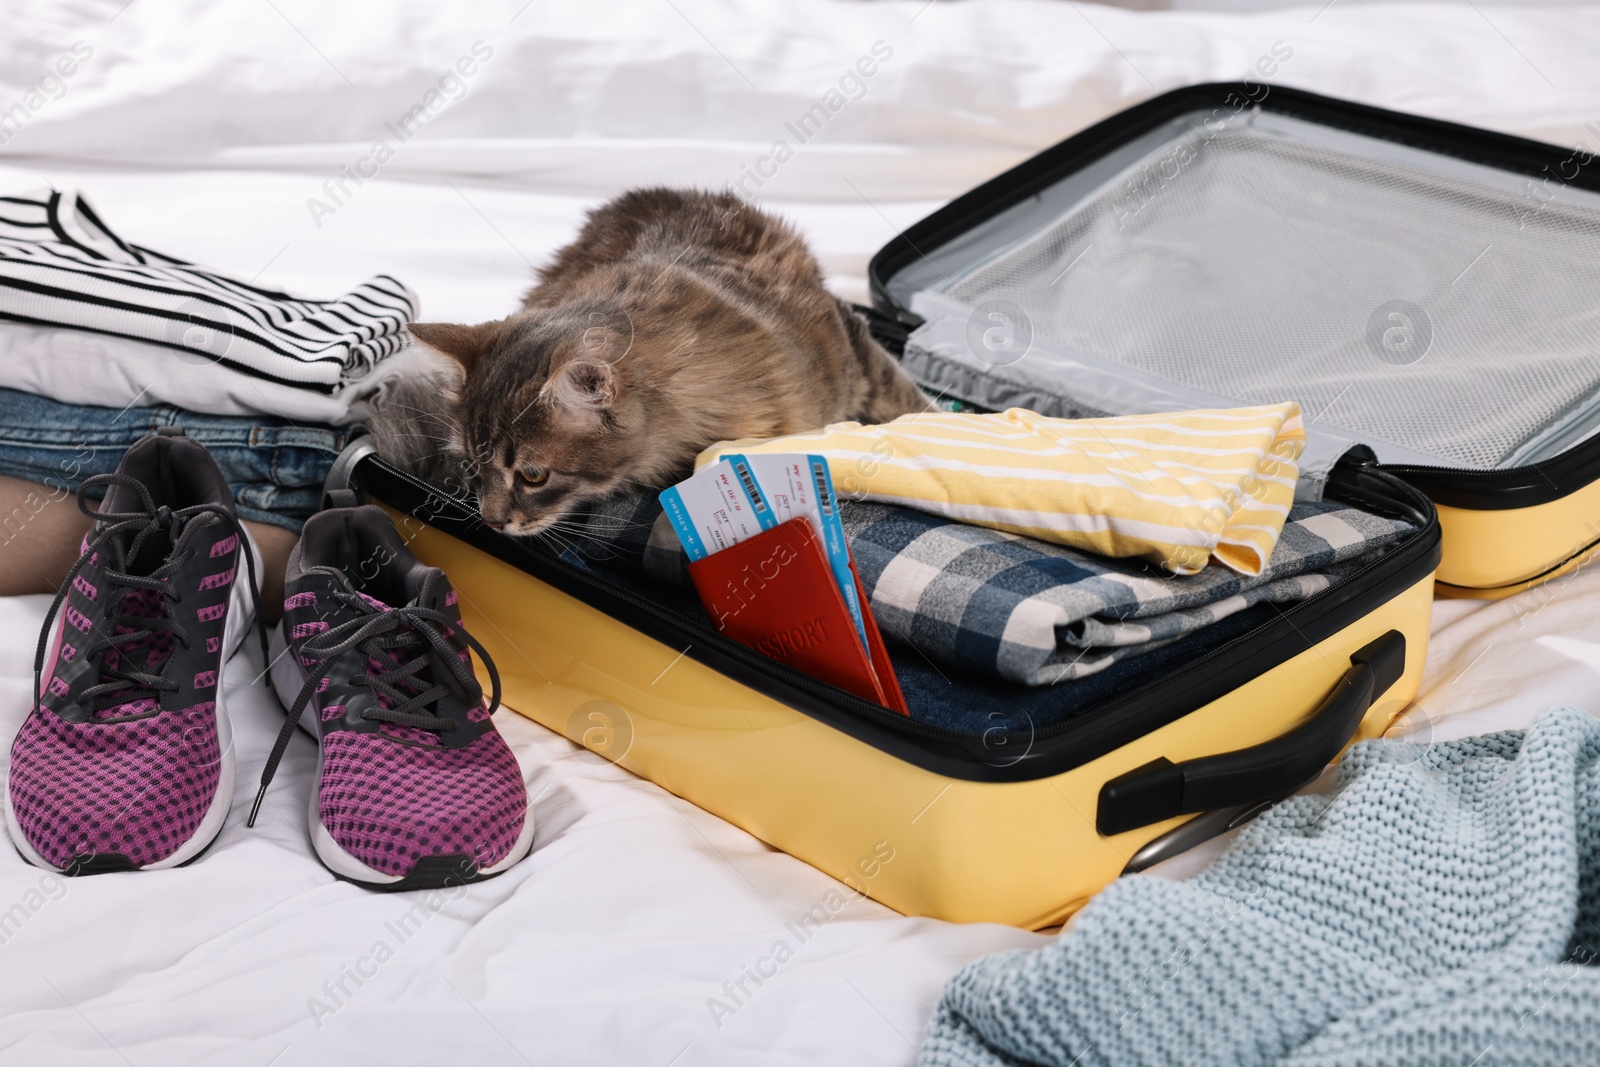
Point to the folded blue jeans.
(274, 467)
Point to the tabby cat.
(676, 319)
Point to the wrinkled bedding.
(224, 133)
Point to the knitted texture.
(1438, 908)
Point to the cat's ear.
(464, 344)
(583, 389)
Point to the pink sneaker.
(126, 761)
(415, 788)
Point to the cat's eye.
(532, 477)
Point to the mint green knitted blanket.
(1442, 906)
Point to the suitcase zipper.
(1508, 488)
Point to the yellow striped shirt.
(1179, 489)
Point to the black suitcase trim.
(1477, 490)
(1048, 752)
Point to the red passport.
(775, 593)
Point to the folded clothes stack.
(1017, 608)
(103, 340)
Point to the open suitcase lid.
(1422, 288)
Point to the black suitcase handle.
(1269, 771)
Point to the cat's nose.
(494, 525)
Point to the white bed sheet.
(603, 947)
(203, 129)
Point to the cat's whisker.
(423, 413)
(431, 413)
(602, 533)
(555, 541)
(430, 438)
(574, 531)
(620, 524)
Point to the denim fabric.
(274, 466)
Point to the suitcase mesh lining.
(1257, 266)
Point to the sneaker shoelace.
(385, 633)
(120, 684)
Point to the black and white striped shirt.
(60, 265)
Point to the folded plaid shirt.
(1019, 609)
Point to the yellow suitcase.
(1426, 291)
(1005, 824)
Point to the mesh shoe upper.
(412, 766)
(388, 804)
(137, 789)
(121, 756)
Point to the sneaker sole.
(430, 872)
(241, 615)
